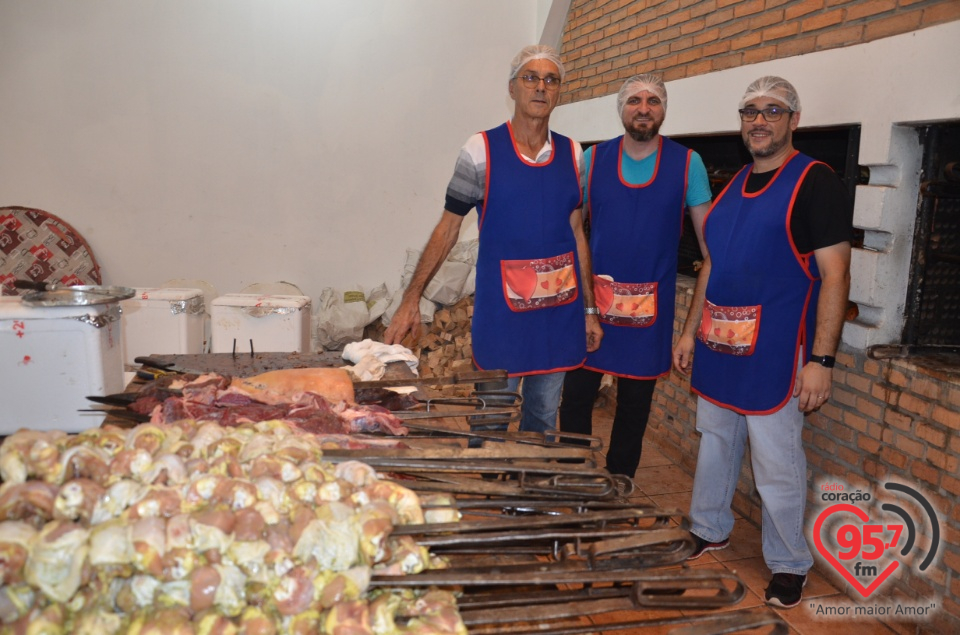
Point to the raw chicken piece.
(110, 544)
(83, 461)
(16, 601)
(29, 453)
(348, 618)
(77, 499)
(436, 614)
(31, 501)
(16, 539)
(440, 508)
(56, 561)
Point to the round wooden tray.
(36, 245)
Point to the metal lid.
(80, 295)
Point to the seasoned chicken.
(194, 528)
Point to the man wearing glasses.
(533, 267)
(765, 323)
(636, 189)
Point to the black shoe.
(785, 589)
(703, 546)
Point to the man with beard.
(765, 323)
(533, 267)
(636, 189)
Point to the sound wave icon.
(908, 522)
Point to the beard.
(644, 133)
(776, 145)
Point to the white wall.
(887, 86)
(242, 141)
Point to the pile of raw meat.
(193, 528)
(315, 400)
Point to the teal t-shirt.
(638, 172)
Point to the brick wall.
(606, 41)
(887, 419)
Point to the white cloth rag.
(386, 353)
(367, 369)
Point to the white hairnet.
(772, 86)
(647, 81)
(536, 52)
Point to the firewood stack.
(445, 345)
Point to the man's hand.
(594, 333)
(813, 386)
(405, 320)
(683, 354)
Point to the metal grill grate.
(933, 310)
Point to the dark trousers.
(580, 389)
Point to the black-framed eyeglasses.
(551, 82)
(770, 115)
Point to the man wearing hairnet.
(765, 324)
(533, 267)
(636, 189)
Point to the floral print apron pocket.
(538, 284)
(730, 329)
(625, 303)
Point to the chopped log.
(445, 346)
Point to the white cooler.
(275, 323)
(53, 357)
(163, 321)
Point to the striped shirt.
(469, 181)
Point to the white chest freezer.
(163, 321)
(267, 323)
(52, 358)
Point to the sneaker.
(702, 546)
(786, 589)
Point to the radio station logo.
(867, 545)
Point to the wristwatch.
(591, 310)
(826, 361)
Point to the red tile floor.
(662, 483)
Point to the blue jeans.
(779, 471)
(541, 398)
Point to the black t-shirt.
(822, 214)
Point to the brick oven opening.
(933, 295)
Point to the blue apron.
(528, 315)
(634, 238)
(760, 308)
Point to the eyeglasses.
(770, 115)
(551, 82)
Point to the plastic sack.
(450, 284)
(341, 315)
(427, 308)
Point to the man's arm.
(594, 331)
(815, 381)
(683, 351)
(407, 318)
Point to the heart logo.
(522, 279)
(603, 294)
(865, 591)
(706, 322)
